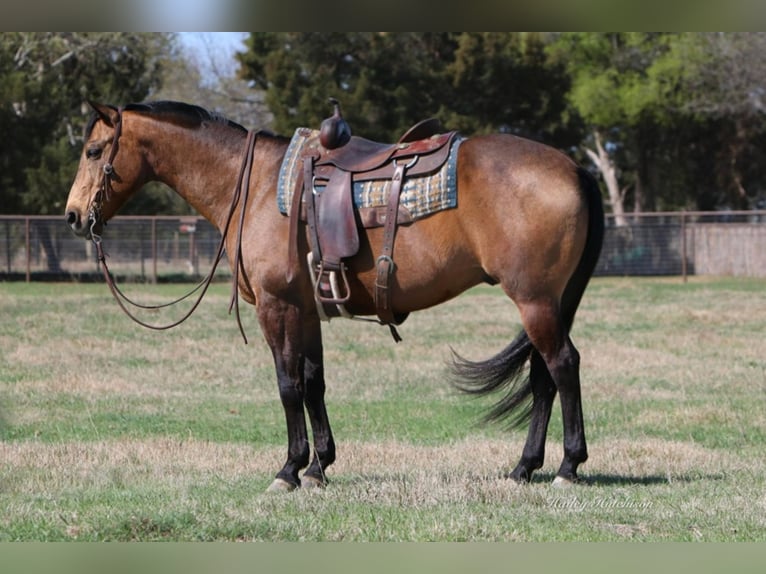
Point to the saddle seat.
(362, 155)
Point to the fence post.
(28, 248)
(8, 255)
(683, 246)
(142, 250)
(154, 250)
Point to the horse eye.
(93, 153)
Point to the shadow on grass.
(600, 479)
(539, 478)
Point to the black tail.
(575, 289)
(503, 371)
(506, 370)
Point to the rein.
(241, 192)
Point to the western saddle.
(329, 173)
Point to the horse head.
(105, 180)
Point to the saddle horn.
(334, 132)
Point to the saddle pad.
(420, 196)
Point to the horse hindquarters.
(549, 329)
(549, 227)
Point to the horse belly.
(433, 263)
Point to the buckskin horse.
(527, 218)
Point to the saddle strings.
(240, 191)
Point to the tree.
(475, 82)
(45, 79)
(723, 80)
(506, 82)
(676, 120)
(614, 89)
(300, 71)
(217, 89)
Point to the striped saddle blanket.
(420, 196)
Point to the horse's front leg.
(314, 384)
(296, 344)
(281, 325)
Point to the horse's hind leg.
(543, 393)
(546, 330)
(565, 368)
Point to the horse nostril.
(73, 219)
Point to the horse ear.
(109, 114)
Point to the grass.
(112, 432)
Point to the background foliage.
(670, 120)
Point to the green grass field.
(112, 432)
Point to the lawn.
(112, 432)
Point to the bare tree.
(207, 78)
(727, 83)
(606, 166)
(728, 77)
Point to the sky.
(218, 46)
(185, 14)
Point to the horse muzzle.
(83, 226)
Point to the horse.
(528, 219)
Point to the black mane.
(179, 112)
(190, 113)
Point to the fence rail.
(175, 248)
(148, 249)
(730, 243)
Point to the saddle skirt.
(420, 196)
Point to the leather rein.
(241, 193)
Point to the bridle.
(95, 210)
(241, 192)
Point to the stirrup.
(338, 299)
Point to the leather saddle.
(329, 174)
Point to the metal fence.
(172, 248)
(731, 243)
(145, 249)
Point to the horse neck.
(200, 164)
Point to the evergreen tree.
(45, 79)
(475, 82)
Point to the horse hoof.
(562, 482)
(281, 485)
(311, 483)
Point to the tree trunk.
(608, 170)
(738, 193)
(645, 190)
